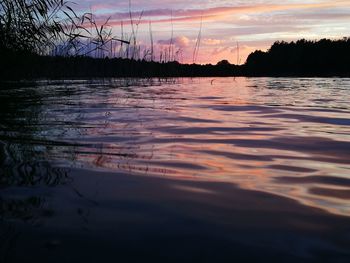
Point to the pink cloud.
(180, 42)
(211, 41)
(215, 12)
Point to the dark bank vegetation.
(324, 58)
(47, 39)
(33, 66)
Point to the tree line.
(324, 57)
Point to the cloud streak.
(254, 25)
(217, 12)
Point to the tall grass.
(35, 25)
(151, 39)
(52, 27)
(198, 42)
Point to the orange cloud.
(254, 26)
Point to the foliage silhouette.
(33, 26)
(301, 58)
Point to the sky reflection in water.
(289, 137)
(184, 170)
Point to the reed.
(198, 42)
(171, 47)
(151, 39)
(53, 28)
(29, 25)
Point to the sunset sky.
(253, 24)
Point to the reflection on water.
(265, 134)
(286, 137)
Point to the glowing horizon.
(250, 25)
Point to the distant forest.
(47, 39)
(301, 58)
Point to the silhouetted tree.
(302, 58)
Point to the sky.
(229, 29)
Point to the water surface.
(181, 169)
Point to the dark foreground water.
(184, 170)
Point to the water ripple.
(288, 137)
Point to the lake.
(175, 170)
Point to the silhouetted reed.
(198, 42)
(33, 26)
(51, 27)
